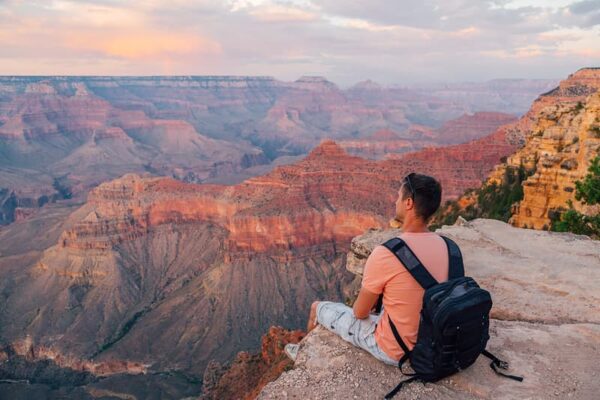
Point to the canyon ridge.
(155, 278)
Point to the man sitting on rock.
(418, 198)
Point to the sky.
(347, 41)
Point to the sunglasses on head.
(410, 186)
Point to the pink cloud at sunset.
(385, 40)
(138, 44)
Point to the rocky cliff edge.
(545, 322)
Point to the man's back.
(402, 295)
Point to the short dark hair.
(427, 193)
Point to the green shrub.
(588, 192)
(493, 201)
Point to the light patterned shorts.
(340, 319)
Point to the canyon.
(161, 280)
(62, 136)
(192, 271)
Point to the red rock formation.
(57, 127)
(460, 167)
(386, 141)
(200, 266)
(555, 145)
(461, 130)
(90, 130)
(229, 246)
(471, 127)
(325, 198)
(248, 373)
(302, 205)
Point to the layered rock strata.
(62, 129)
(295, 206)
(561, 136)
(202, 267)
(384, 142)
(555, 143)
(471, 127)
(462, 165)
(87, 130)
(467, 128)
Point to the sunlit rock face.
(195, 272)
(560, 138)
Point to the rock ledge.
(546, 323)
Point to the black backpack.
(454, 322)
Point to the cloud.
(385, 40)
(583, 14)
(139, 44)
(96, 14)
(585, 7)
(279, 13)
(451, 15)
(447, 15)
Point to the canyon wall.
(170, 275)
(61, 136)
(561, 137)
(193, 272)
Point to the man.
(418, 199)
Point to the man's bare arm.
(364, 303)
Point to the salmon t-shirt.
(402, 294)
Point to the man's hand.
(364, 303)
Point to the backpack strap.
(403, 345)
(456, 268)
(397, 388)
(497, 364)
(410, 262)
(405, 356)
(414, 266)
